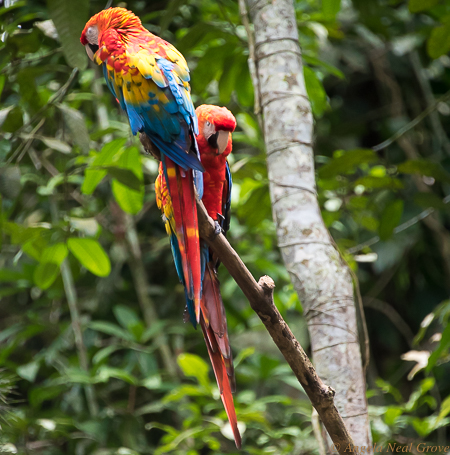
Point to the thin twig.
(412, 123)
(252, 62)
(71, 295)
(393, 315)
(56, 98)
(401, 227)
(141, 285)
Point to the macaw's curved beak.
(219, 141)
(91, 49)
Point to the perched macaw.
(214, 142)
(150, 80)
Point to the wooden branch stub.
(260, 296)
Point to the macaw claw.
(218, 228)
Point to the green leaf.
(324, 66)
(444, 344)
(125, 177)
(129, 199)
(430, 200)
(45, 274)
(244, 89)
(106, 372)
(424, 167)
(445, 408)
(347, 162)
(193, 365)
(439, 41)
(390, 219)
(28, 371)
(70, 18)
(416, 6)
(111, 329)
(91, 255)
(55, 254)
(125, 316)
(54, 144)
(330, 8)
(77, 126)
(154, 330)
(105, 352)
(106, 157)
(316, 92)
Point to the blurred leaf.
(57, 145)
(416, 6)
(347, 162)
(439, 41)
(390, 219)
(424, 167)
(4, 114)
(105, 157)
(77, 126)
(330, 8)
(430, 200)
(55, 254)
(13, 121)
(194, 366)
(124, 176)
(125, 316)
(445, 408)
(444, 345)
(129, 197)
(91, 255)
(315, 90)
(105, 352)
(45, 274)
(28, 371)
(69, 18)
(105, 372)
(111, 329)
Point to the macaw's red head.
(215, 126)
(118, 19)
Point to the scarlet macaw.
(214, 141)
(150, 80)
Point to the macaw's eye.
(91, 49)
(207, 123)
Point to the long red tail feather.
(216, 337)
(223, 381)
(182, 193)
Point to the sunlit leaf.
(194, 366)
(330, 8)
(91, 255)
(55, 253)
(130, 198)
(45, 274)
(95, 174)
(316, 92)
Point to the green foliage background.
(95, 357)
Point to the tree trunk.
(320, 277)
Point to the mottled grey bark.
(317, 271)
